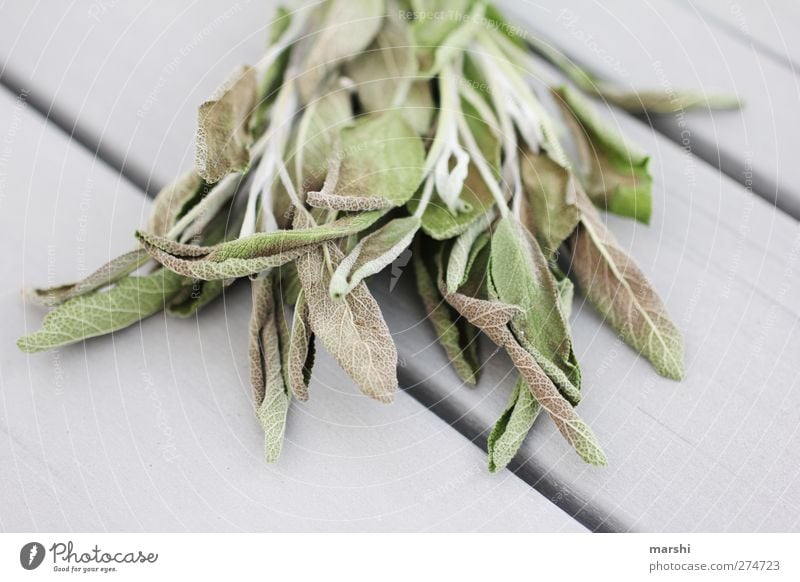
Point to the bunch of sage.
(370, 127)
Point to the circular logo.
(31, 555)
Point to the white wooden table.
(139, 433)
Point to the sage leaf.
(437, 19)
(130, 300)
(106, 275)
(457, 337)
(520, 276)
(655, 101)
(465, 248)
(272, 78)
(566, 290)
(493, 317)
(385, 77)
(373, 253)
(194, 297)
(437, 220)
(300, 358)
(381, 166)
(347, 28)
(615, 174)
(249, 255)
(172, 201)
(619, 290)
(222, 139)
(352, 328)
(550, 191)
(317, 134)
(268, 343)
(512, 427)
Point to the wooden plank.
(663, 45)
(153, 429)
(719, 451)
(130, 75)
(769, 26)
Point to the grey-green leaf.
(268, 343)
(615, 174)
(106, 275)
(550, 191)
(347, 28)
(619, 290)
(385, 77)
(521, 276)
(102, 312)
(512, 427)
(223, 137)
(171, 202)
(380, 167)
(458, 338)
(352, 329)
(493, 318)
(300, 358)
(373, 253)
(252, 254)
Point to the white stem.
(427, 193)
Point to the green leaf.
(373, 253)
(550, 191)
(317, 134)
(347, 28)
(194, 297)
(437, 221)
(268, 343)
(352, 329)
(464, 250)
(385, 77)
(520, 276)
(381, 166)
(455, 334)
(300, 359)
(106, 275)
(252, 254)
(566, 290)
(437, 19)
(173, 200)
(493, 318)
(512, 427)
(222, 139)
(270, 82)
(102, 312)
(619, 290)
(655, 101)
(615, 174)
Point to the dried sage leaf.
(347, 28)
(492, 318)
(300, 358)
(465, 247)
(512, 427)
(223, 138)
(381, 166)
(615, 174)
(552, 199)
(249, 255)
(520, 276)
(352, 329)
(268, 343)
(457, 336)
(172, 201)
(130, 300)
(385, 77)
(618, 289)
(373, 253)
(106, 275)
